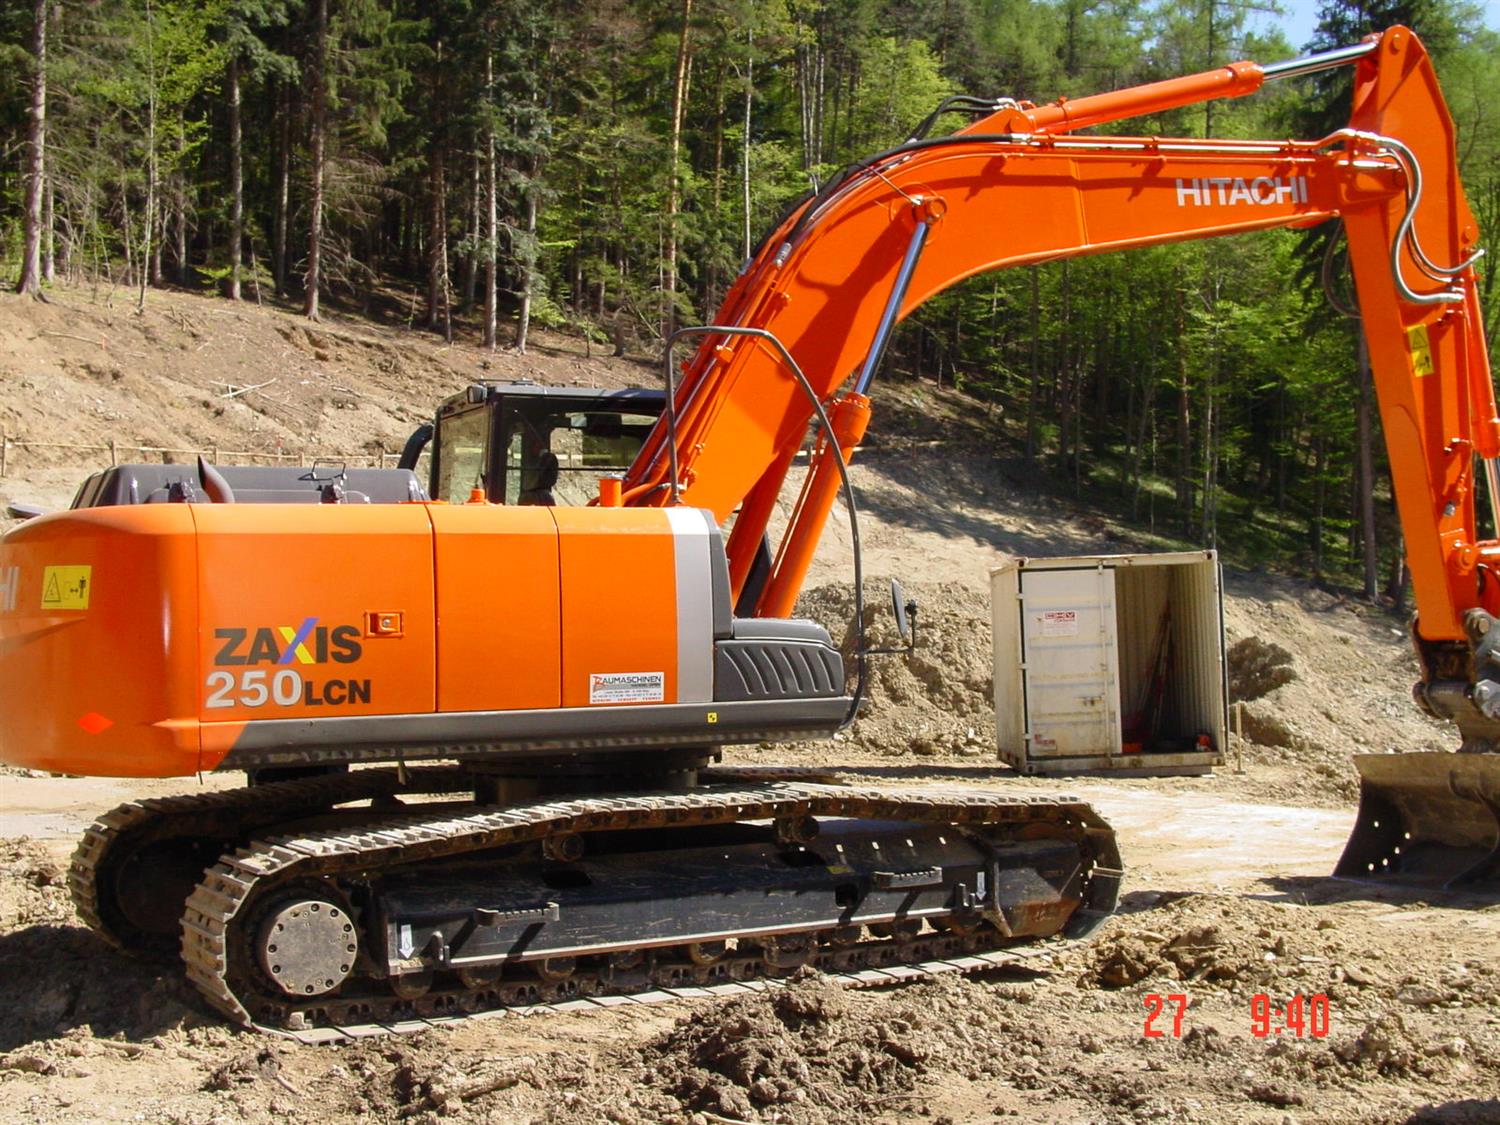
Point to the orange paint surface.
(498, 608)
(620, 597)
(284, 596)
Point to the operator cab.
(524, 443)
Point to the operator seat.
(543, 480)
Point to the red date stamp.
(1302, 1015)
(1156, 1005)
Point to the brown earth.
(1227, 896)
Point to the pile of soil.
(1214, 942)
(939, 700)
(1322, 678)
(811, 1052)
(33, 886)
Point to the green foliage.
(1196, 385)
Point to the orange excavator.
(575, 672)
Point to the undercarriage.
(381, 897)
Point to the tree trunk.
(471, 258)
(1320, 491)
(1365, 473)
(1036, 367)
(745, 140)
(437, 236)
(314, 276)
(148, 223)
(1066, 377)
(528, 267)
(180, 233)
(492, 217)
(236, 179)
(1396, 589)
(1184, 482)
(283, 194)
(713, 283)
(1210, 531)
(679, 98)
(30, 282)
(1144, 424)
(49, 239)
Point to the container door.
(1072, 675)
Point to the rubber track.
(208, 921)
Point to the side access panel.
(91, 682)
(311, 613)
(498, 607)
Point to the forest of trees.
(475, 167)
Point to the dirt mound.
(33, 887)
(1213, 942)
(194, 372)
(1350, 692)
(810, 1051)
(1257, 668)
(937, 701)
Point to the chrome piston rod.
(1324, 60)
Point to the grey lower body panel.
(492, 734)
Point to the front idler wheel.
(307, 947)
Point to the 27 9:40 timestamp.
(1301, 1016)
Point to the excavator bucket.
(1427, 818)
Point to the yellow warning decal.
(1421, 350)
(66, 587)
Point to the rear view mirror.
(906, 624)
(905, 610)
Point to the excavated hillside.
(201, 373)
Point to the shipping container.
(1110, 663)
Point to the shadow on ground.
(54, 979)
(1468, 1111)
(1312, 890)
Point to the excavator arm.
(1018, 188)
(1021, 186)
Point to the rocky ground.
(1227, 897)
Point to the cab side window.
(461, 456)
